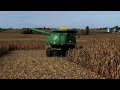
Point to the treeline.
(38, 28)
(98, 28)
(24, 30)
(3, 29)
(29, 31)
(84, 32)
(104, 28)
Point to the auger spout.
(40, 31)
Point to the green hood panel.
(56, 39)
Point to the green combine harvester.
(58, 41)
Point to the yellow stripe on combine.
(64, 28)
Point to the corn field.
(98, 53)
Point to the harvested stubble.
(101, 55)
(23, 45)
(33, 64)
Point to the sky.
(56, 19)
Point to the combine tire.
(48, 52)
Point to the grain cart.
(59, 41)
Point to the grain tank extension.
(59, 41)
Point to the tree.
(87, 31)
